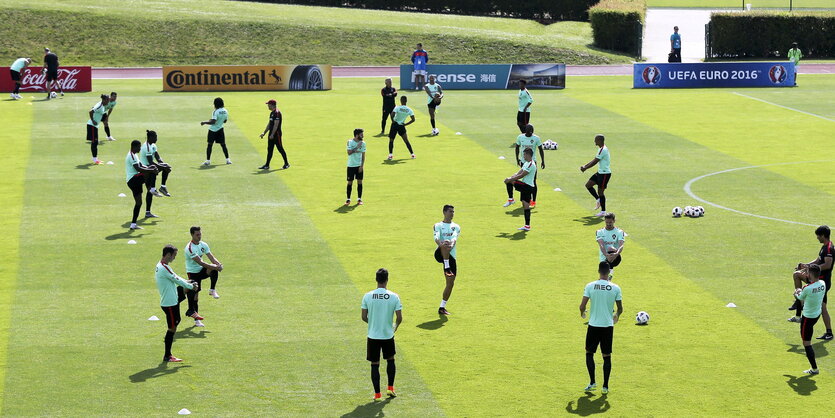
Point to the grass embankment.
(219, 32)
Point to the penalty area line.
(689, 191)
(784, 107)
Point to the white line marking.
(785, 107)
(687, 189)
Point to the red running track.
(571, 70)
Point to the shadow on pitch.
(434, 324)
(162, 370)
(272, 170)
(345, 208)
(820, 349)
(589, 220)
(426, 136)
(125, 235)
(588, 405)
(204, 167)
(803, 385)
(192, 332)
(516, 236)
(519, 211)
(394, 162)
(84, 166)
(371, 409)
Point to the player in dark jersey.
(274, 137)
(389, 93)
(824, 261)
(50, 67)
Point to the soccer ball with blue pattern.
(642, 318)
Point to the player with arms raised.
(446, 235)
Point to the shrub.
(618, 25)
(765, 34)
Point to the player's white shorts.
(418, 72)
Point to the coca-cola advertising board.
(33, 79)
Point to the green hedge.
(544, 10)
(618, 25)
(764, 34)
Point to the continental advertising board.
(709, 74)
(489, 76)
(71, 79)
(245, 77)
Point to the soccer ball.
(688, 211)
(436, 131)
(437, 98)
(642, 318)
(676, 212)
(701, 210)
(53, 94)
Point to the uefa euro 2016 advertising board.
(33, 79)
(245, 77)
(489, 76)
(710, 74)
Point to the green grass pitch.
(286, 338)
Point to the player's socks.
(810, 354)
(375, 378)
(433, 122)
(94, 149)
(169, 340)
(391, 370)
(107, 131)
(348, 191)
(391, 147)
(533, 198)
(359, 191)
(509, 191)
(409, 146)
(527, 217)
(602, 203)
(16, 89)
(446, 263)
(590, 367)
(443, 303)
(225, 151)
(593, 192)
(607, 368)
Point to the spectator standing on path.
(419, 60)
(794, 56)
(675, 46)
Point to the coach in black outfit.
(389, 93)
(50, 66)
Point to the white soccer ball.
(642, 318)
(53, 94)
(677, 212)
(701, 210)
(688, 211)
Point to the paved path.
(659, 27)
(571, 70)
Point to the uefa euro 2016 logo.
(777, 74)
(651, 75)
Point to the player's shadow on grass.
(803, 385)
(162, 370)
(272, 170)
(588, 405)
(125, 235)
(434, 324)
(516, 236)
(394, 162)
(426, 136)
(204, 167)
(820, 349)
(371, 409)
(589, 220)
(519, 211)
(192, 332)
(345, 208)
(84, 166)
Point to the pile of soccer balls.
(550, 145)
(642, 318)
(689, 211)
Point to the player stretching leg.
(198, 270)
(812, 296)
(826, 255)
(603, 175)
(523, 180)
(167, 284)
(610, 242)
(435, 93)
(446, 237)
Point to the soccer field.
(286, 337)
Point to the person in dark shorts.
(434, 95)
(378, 308)
(216, 135)
(389, 93)
(812, 297)
(523, 115)
(135, 172)
(524, 181)
(168, 284)
(399, 124)
(111, 104)
(825, 258)
(603, 175)
(274, 137)
(97, 113)
(16, 70)
(603, 295)
(50, 67)
(197, 270)
(356, 165)
(446, 235)
(610, 240)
